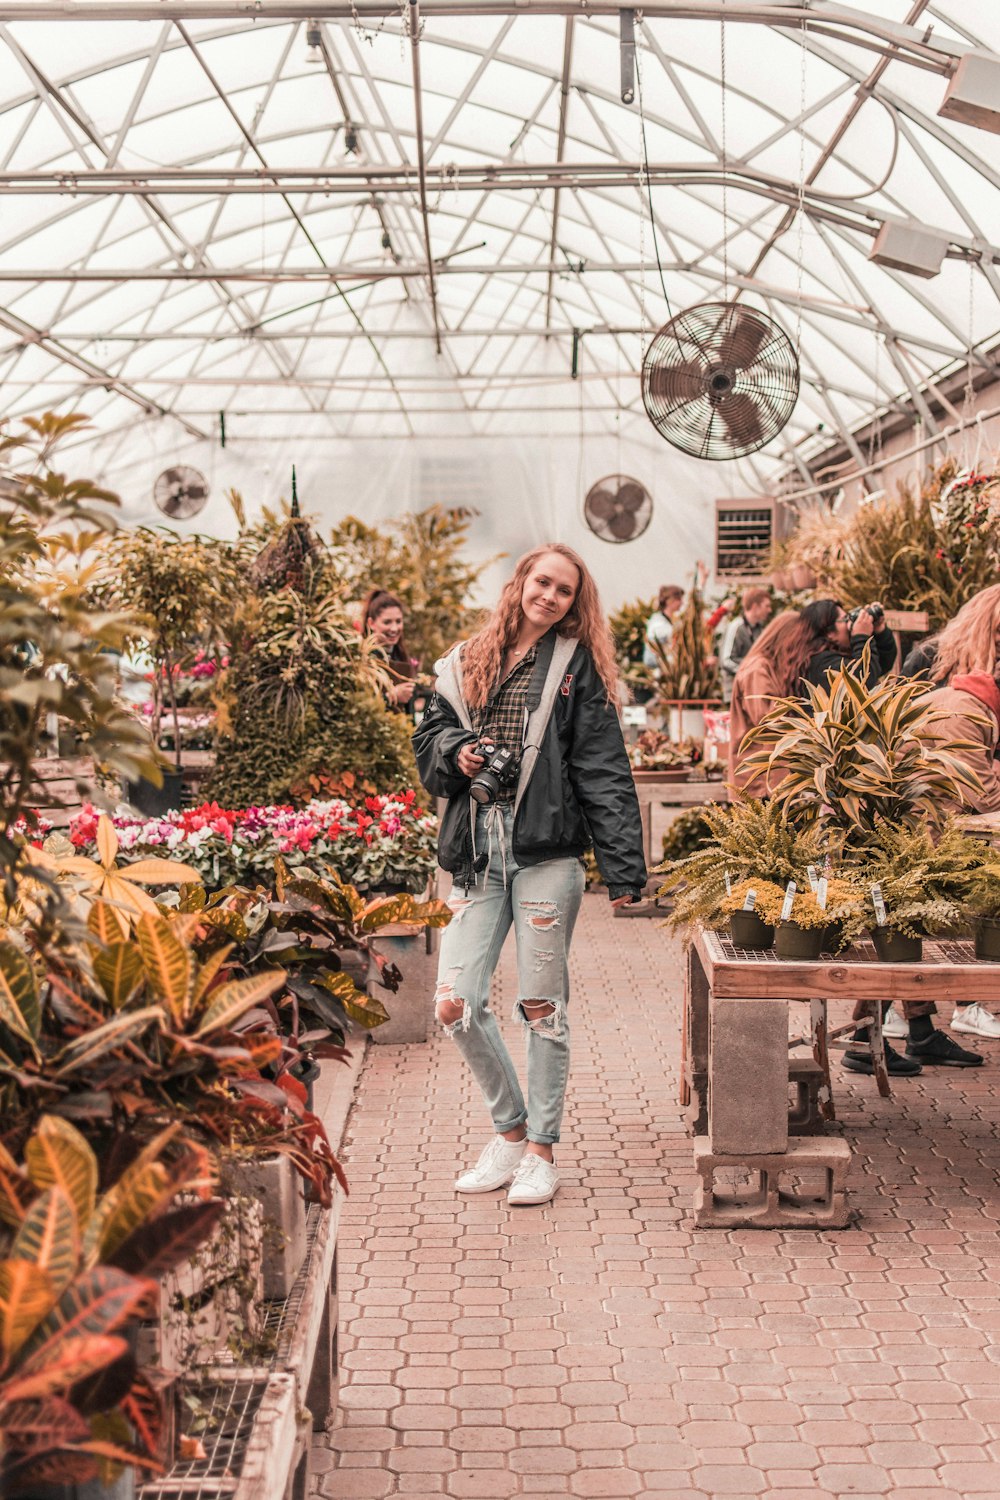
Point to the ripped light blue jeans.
(541, 902)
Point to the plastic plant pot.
(747, 930)
(988, 939)
(897, 947)
(793, 941)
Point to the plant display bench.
(751, 1171)
(259, 1418)
(666, 789)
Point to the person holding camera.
(523, 738)
(837, 634)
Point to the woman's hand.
(863, 625)
(622, 901)
(468, 762)
(402, 692)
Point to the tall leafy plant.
(855, 759)
(418, 557)
(57, 647)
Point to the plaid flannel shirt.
(502, 718)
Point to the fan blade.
(740, 413)
(677, 383)
(742, 341)
(601, 505)
(631, 496)
(622, 526)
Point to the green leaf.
(19, 1009)
(119, 971)
(168, 963)
(49, 1238)
(57, 1155)
(231, 1000)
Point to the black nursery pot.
(793, 941)
(896, 947)
(833, 933)
(154, 801)
(988, 939)
(747, 930)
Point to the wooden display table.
(735, 1068)
(669, 791)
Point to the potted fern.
(750, 906)
(748, 840)
(919, 882)
(815, 919)
(983, 905)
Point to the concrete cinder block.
(748, 1076)
(764, 1195)
(805, 1076)
(275, 1184)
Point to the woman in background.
(773, 668)
(382, 618)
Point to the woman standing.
(522, 736)
(382, 617)
(773, 668)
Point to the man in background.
(741, 634)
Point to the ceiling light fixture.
(973, 96)
(314, 43)
(905, 245)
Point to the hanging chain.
(800, 214)
(725, 162)
(643, 187)
(969, 399)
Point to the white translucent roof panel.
(195, 219)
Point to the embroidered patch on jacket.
(567, 683)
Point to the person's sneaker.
(940, 1051)
(535, 1181)
(976, 1020)
(495, 1167)
(893, 1025)
(895, 1063)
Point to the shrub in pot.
(753, 928)
(982, 902)
(924, 876)
(803, 933)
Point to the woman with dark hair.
(834, 638)
(382, 618)
(522, 736)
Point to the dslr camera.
(500, 769)
(875, 610)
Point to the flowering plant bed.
(390, 841)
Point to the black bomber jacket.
(575, 785)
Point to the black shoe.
(940, 1051)
(896, 1064)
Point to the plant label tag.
(729, 885)
(821, 893)
(751, 901)
(786, 905)
(811, 872)
(635, 716)
(879, 905)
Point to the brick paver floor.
(600, 1346)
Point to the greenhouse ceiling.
(375, 220)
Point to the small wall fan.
(720, 380)
(180, 492)
(618, 509)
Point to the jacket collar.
(982, 687)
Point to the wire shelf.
(230, 1410)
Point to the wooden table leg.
(878, 1052)
(821, 1054)
(695, 1041)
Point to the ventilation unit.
(973, 96)
(744, 533)
(909, 247)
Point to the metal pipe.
(560, 150)
(414, 24)
(910, 43)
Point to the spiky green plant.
(926, 875)
(857, 758)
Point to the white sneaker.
(893, 1024)
(975, 1019)
(494, 1168)
(535, 1181)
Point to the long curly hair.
(482, 655)
(786, 644)
(968, 643)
